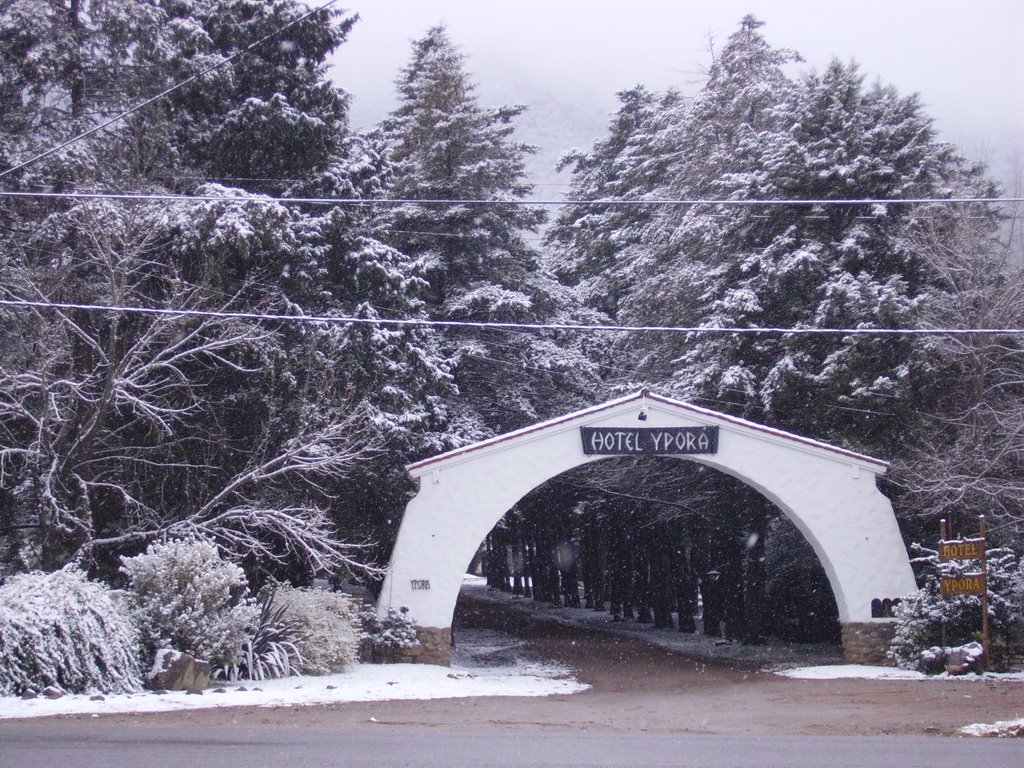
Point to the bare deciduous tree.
(118, 427)
(970, 452)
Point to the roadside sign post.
(984, 595)
(967, 583)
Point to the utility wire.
(426, 323)
(176, 86)
(1010, 524)
(169, 198)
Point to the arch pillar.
(829, 493)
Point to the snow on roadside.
(999, 729)
(838, 671)
(364, 682)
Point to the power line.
(1010, 524)
(356, 201)
(176, 86)
(427, 323)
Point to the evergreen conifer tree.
(592, 247)
(826, 137)
(446, 147)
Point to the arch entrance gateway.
(829, 493)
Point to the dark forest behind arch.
(667, 542)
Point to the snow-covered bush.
(329, 620)
(273, 650)
(189, 599)
(385, 635)
(925, 618)
(62, 630)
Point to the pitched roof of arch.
(627, 403)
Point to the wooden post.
(942, 537)
(984, 595)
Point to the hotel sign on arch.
(668, 441)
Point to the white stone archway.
(829, 493)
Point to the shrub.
(384, 635)
(191, 600)
(330, 640)
(924, 617)
(273, 650)
(62, 630)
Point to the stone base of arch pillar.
(435, 646)
(867, 642)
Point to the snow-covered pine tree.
(592, 247)
(848, 266)
(753, 133)
(446, 147)
(716, 149)
(272, 115)
(65, 66)
(656, 148)
(826, 137)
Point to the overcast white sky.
(964, 57)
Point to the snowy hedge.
(926, 618)
(330, 640)
(189, 599)
(62, 630)
(384, 637)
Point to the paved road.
(56, 744)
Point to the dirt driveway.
(637, 687)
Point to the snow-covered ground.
(836, 671)
(486, 664)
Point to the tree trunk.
(686, 590)
(754, 585)
(527, 568)
(618, 586)
(495, 561)
(570, 576)
(517, 568)
(591, 566)
(732, 590)
(662, 582)
(545, 572)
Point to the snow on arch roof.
(580, 418)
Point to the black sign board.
(615, 441)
